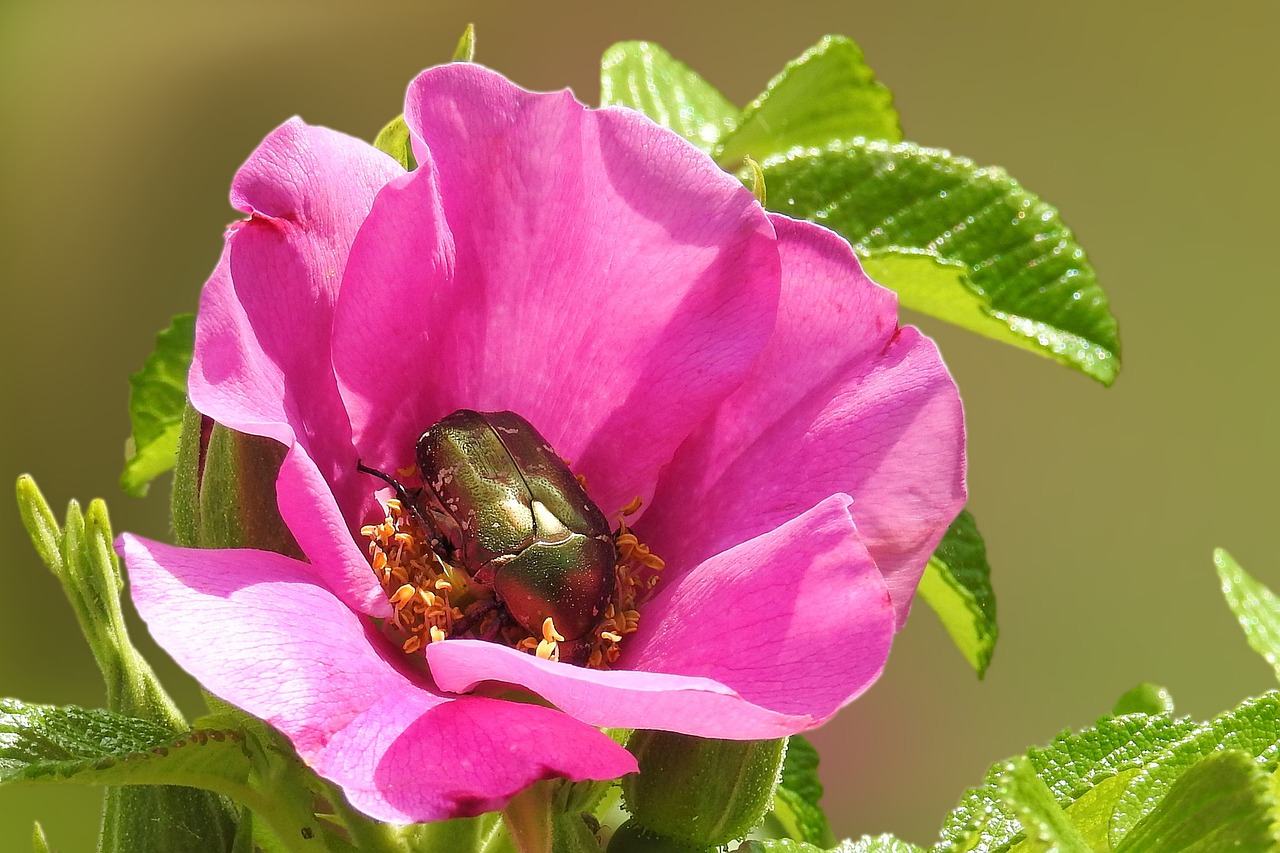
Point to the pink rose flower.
(798, 454)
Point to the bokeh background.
(1152, 129)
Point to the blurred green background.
(1154, 131)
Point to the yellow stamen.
(633, 507)
(549, 632)
(437, 635)
(548, 650)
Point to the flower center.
(435, 598)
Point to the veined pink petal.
(262, 359)
(291, 653)
(407, 761)
(767, 639)
(606, 281)
(842, 400)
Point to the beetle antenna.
(401, 492)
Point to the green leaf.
(39, 843)
(1223, 802)
(1255, 606)
(394, 140)
(1146, 698)
(866, 844)
(796, 806)
(957, 585)
(1071, 766)
(1253, 728)
(466, 49)
(42, 744)
(1027, 796)
(965, 244)
(827, 95)
(157, 397)
(644, 77)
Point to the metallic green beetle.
(501, 504)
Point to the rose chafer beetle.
(499, 503)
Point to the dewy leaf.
(796, 806)
(1071, 766)
(1223, 802)
(957, 585)
(157, 396)
(43, 744)
(1255, 606)
(644, 77)
(827, 95)
(1253, 729)
(965, 244)
(1027, 796)
(1146, 698)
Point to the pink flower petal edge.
(584, 268)
(258, 632)
(841, 400)
(767, 639)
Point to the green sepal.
(39, 843)
(957, 585)
(466, 49)
(701, 791)
(796, 811)
(1146, 698)
(1223, 802)
(394, 140)
(1256, 608)
(224, 493)
(484, 833)
(184, 502)
(631, 837)
(157, 395)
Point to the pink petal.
(255, 630)
(262, 360)
(842, 400)
(767, 639)
(605, 280)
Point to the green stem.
(528, 818)
(367, 834)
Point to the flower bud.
(700, 792)
(224, 489)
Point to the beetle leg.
(477, 613)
